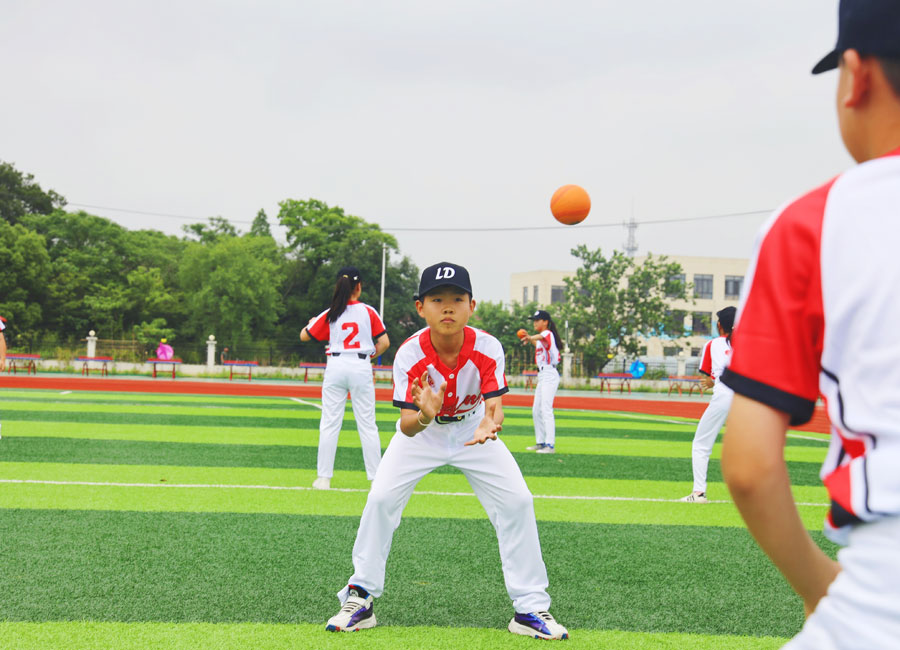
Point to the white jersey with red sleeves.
(479, 372)
(356, 330)
(714, 359)
(545, 351)
(819, 315)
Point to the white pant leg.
(334, 398)
(497, 481)
(705, 437)
(405, 462)
(548, 382)
(540, 435)
(862, 606)
(362, 399)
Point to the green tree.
(503, 322)
(212, 232)
(232, 287)
(260, 227)
(21, 195)
(612, 304)
(321, 239)
(23, 283)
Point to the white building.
(716, 281)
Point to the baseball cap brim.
(829, 62)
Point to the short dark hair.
(891, 68)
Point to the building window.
(557, 294)
(675, 285)
(701, 322)
(671, 351)
(695, 352)
(524, 295)
(534, 295)
(703, 286)
(733, 285)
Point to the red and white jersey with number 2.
(479, 372)
(714, 359)
(356, 330)
(545, 351)
(819, 316)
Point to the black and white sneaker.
(540, 625)
(358, 612)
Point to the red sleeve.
(377, 324)
(777, 342)
(706, 360)
(545, 339)
(320, 330)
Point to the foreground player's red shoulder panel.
(777, 342)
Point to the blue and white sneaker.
(358, 612)
(540, 625)
(547, 449)
(536, 446)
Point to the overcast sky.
(418, 114)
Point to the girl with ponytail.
(354, 333)
(546, 355)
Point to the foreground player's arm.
(491, 424)
(382, 344)
(753, 467)
(429, 403)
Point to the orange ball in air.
(570, 204)
(521, 334)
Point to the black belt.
(447, 419)
(361, 355)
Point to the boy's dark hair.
(891, 68)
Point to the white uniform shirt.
(546, 354)
(356, 330)
(819, 316)
(714, 359)
(479, 372)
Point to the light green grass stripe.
(539, 485)
(89, 635)
(350, 504)
(307, 437)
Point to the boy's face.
(446, 310)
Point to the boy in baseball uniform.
(448, 383)
(819, 317)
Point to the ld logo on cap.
(445, 273)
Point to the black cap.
(444, 274)
(349, 272)
(726, 318)
(871, 27)
(540, 314)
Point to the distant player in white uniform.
(355, 333)
(448, 383)
(819, 316)
(546, 356)
(713, 361)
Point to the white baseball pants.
(707, 429)
(542, 410)
(862, 606)
(348, 373)
(497, 482)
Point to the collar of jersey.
(353, 302)
(464, 354)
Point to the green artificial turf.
(92, 635)
(130, 452)
(183, 567)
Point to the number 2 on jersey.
(349, 343)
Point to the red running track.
(819, 422)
